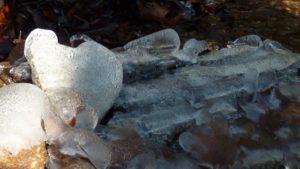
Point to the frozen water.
(91, 70)
(290, 90)
(250, 40)
(22, 107)
(76, 142)
(253, 111)
(190, 143)
(193, 47)
(150, 161)
(164, 41)
(86, 144)
(21, 73)
(261, 156)
(69, 106)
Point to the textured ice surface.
(22, 107)
(91, 70)
(161, 106)
(161, 42)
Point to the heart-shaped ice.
(90, 70)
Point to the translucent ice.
(251, 40)
(193, 47)
(72, 110)
(253, 111)
(21, 110)
(290, 90)
(91, 70)
(164, 41)
(260, 156)
(86, 144)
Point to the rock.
(21, 73)
(33, 158)
(22, 107)
(90, 70)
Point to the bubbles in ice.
(164, 41)
(22, 107)
(91, 70)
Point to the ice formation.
(160, 99)
(161, 42)
(22, 107)
(90, 70)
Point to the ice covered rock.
(161, 42)
(22, 107)
(89, 70)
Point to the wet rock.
(90, 70)
(22, 137)
(21, 73)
